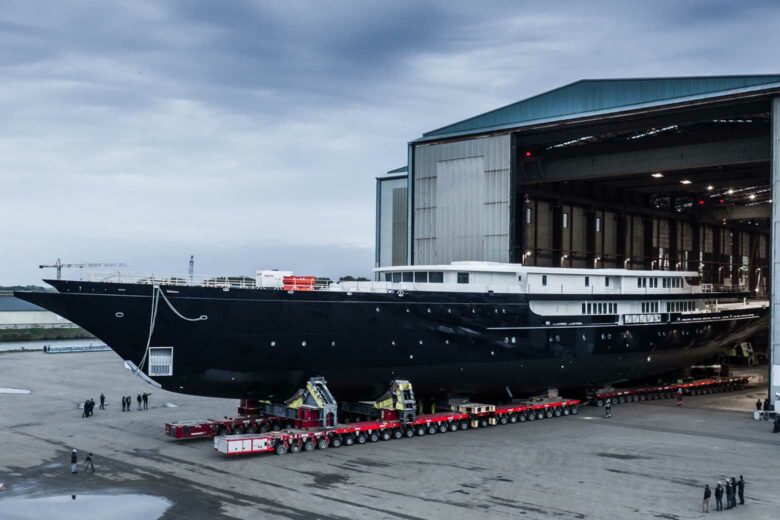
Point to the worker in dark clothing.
(74, 462)
(705, 505)
(139, 399)
(679, 396)
(91, 407)
(88, 464)
(758, 405)
(733, 492)
(776, 428)
(608, 408)
(719, 497)
(129, 403)
(102, 401)
(741, 490)
(124, 403)
(145, 398)
(728, 494)
(766, 409)
(85, 409)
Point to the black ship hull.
(265, 344)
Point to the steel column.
(774, 290)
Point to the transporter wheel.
(503, 419)
(557, 412)
(281, 449)
(251, 428)
(373, 436)
(387, 435)
(513, 418)
(642, 397)
(575, 410)
(443, 428)
(453, 426)
(420, 431)
(308, 446)
(335, 442)
(548, 413)
(264, 428)
(276, 427)
(565, 410)
(522, 417)
(322, 443)
(409, 433)
(397, 433)
(531, 416)
(432, 429)
(295, 447)
(599, 402)
(349, 440)
(361, 438)
(483, 422)
(540, 414)
(463, 425)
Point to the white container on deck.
(246, 443)
(270, 278)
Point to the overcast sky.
(249, 133)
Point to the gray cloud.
(249, 133)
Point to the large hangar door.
(459, 216)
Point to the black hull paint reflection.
(266, 343)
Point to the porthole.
(429, 310)
(550, 339)
(557, 338)
(449, 311)
(392, 343)
(609, 335)
(332, 343)
(514, 339)
(407, 310)
(473, 311)
(603, 336)
(120, 314)
(446, 342)
(492, 353)
(495, 311)
(273, 343)
(584, 337)
(377, 309)
(421, 342)
(506, 340)
(411, 356)
(303, 343)
(503, 311)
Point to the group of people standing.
(142, 399)
(734, 488)
(89, 406)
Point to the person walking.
(608, 408)
(680, 396)
(719, 497)
(145, 398)
(85, 409)
(124, 403)
(129, 403)
(741, 490)
(74, 462)
(766, 409)
(91, 407)
(758, 405)
(705, 505)
(88, 464)
(102, 401)
(138, 398)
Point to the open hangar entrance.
(683, 190)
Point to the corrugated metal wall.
(461, 201)
(390, 213)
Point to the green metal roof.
(594, 96)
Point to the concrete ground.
(650, 460)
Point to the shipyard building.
(647, 173)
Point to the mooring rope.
(156, 293)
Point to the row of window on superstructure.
(599, 308)
(667, 282)
(419, 277)
(682, 306)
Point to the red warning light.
(701, 202)
(722, 201)
(528, 153)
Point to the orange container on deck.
(298, 283)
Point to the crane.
(58, 265)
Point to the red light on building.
(528, 153)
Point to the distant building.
(19, 314)
(392, 218)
